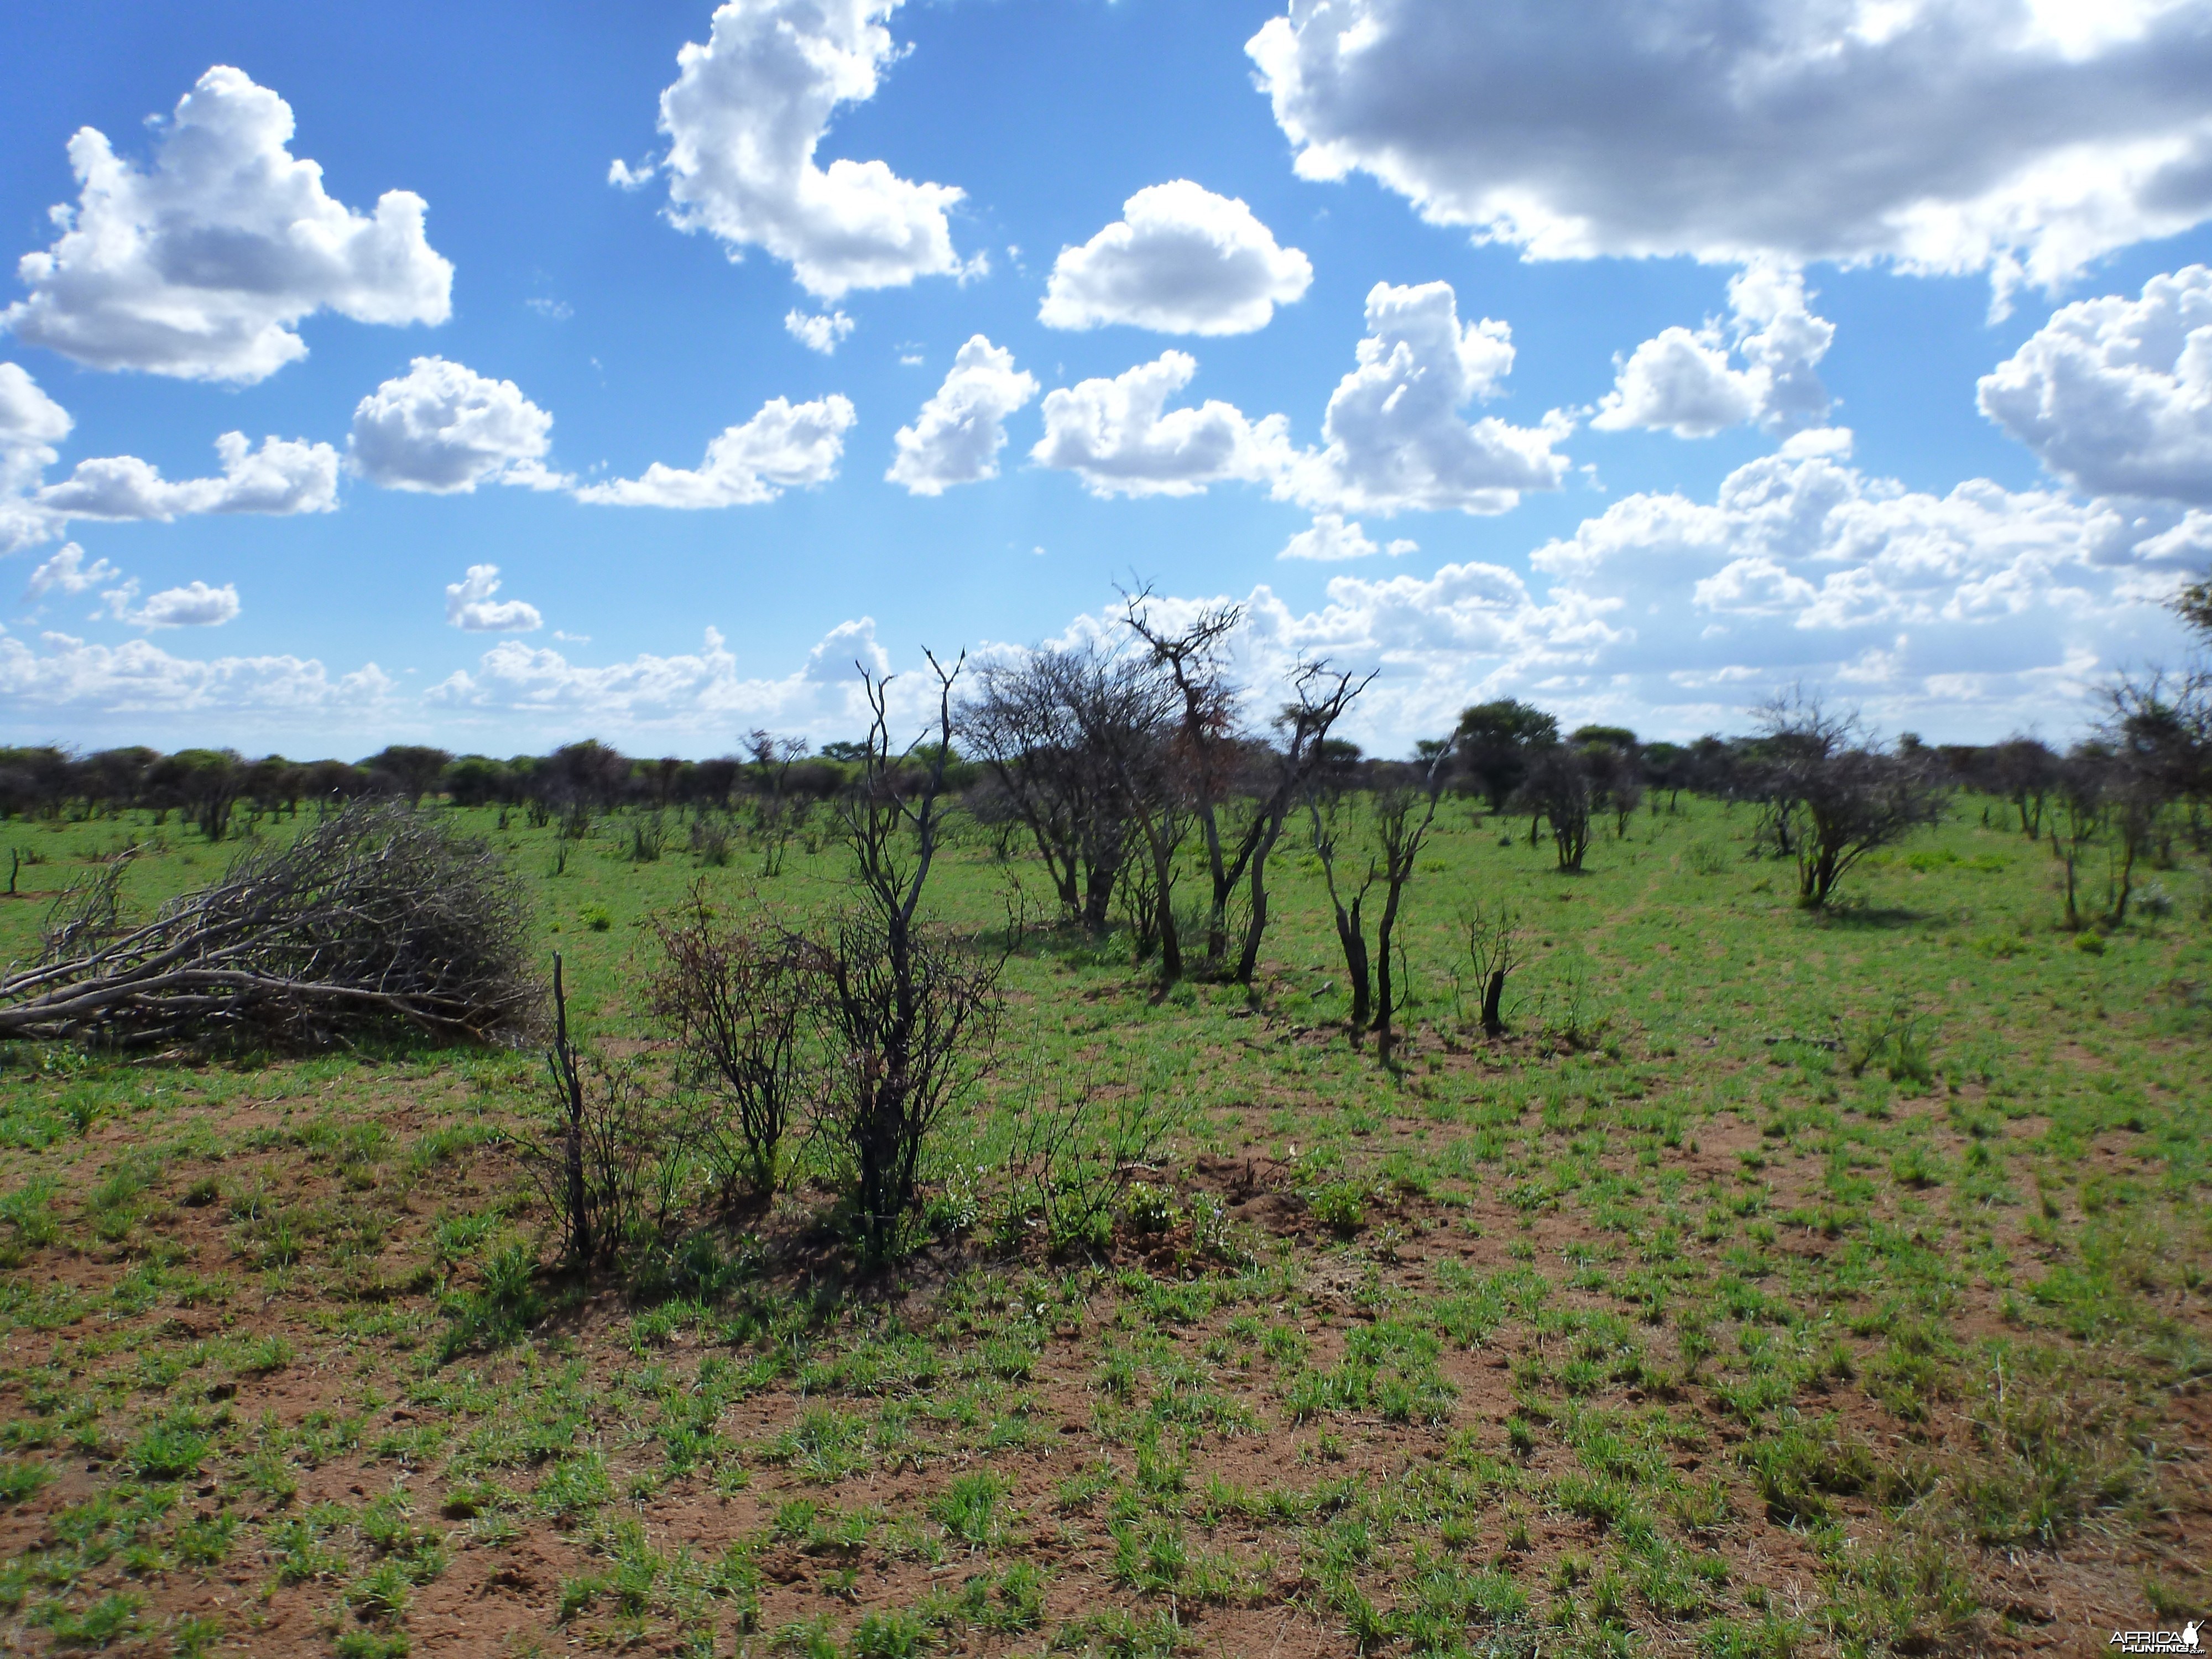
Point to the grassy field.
(1781, 1283)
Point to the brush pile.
(380, 916)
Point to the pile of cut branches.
(379, 915)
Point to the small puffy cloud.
(442, 428)
(743, 118)
(2115, 395)
(1683, 382)
(1181, 260)
(193, 605)
(282, 477)
(470, 605)
(1393, 435)
(1119, 437)
(957, 436)
(785, 447)
(201, 266)
(1330, 539)
(68, 572)
(2018, 136)
(817, 333)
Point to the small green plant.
(967, 1509)
(21, 1479)
(1340, 1206)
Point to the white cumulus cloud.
(283, 476)
(2022, 136)
(441, 428)
(1683, 382)
(1974, 613)
(786, 445)
(201, 265)
(1181, 260)
(31, 424)
(957, 436)
(470, 605)
(817, 333)
(743, 118)
(1121, 438)
(196, 604)
(66, 572)
(1330, 539)
(2115, 395)
(1394, 437)
(704, 692)
(140, 679)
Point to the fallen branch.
(377, 915)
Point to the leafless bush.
(740, 1002)
(607, 1151)
(1493, 929)
(913, 1021)
(1831, 798)
(1559, 789)
(377, 915)
(1072, 1162)
(710, 840)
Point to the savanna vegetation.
(1117, 1177)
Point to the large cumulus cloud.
(2025, 137)
(203, 265)
(2115, 395)
(743, 118)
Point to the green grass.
(1775, 1278)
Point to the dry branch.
(377, 915)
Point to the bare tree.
(2157, 731)
(1558, 790)
(1200, 760)
(1404, 808)
(1838, 797)
(1330, 808)
(908, 1012)
(1320, 697)
(778, 811)
(1050, 728)
(2025, 771)
(2080, 808)
(606, 1154)
(1399, 812)
(1493, 935)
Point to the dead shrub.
(741, 1002)
(378, 917)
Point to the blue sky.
(1865, 345)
